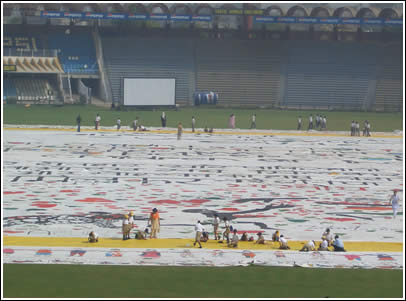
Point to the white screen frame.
(148, 91)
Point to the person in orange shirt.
(180, 130)
(154, 222)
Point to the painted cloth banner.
(66, 184)
(201, 257)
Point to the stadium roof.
(360, 10)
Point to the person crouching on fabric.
(93, 237)
(205, 237)
(283, 243)
(141, 234)
(261, 239)
(338, 245)
(323, 246)
(275, 236)
(244, 237)
(234, 240)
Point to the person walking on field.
(97, 121)
(253, 121)
(299, 123)
(135, 123)
(193, 123)
(118, 123)
(368, 129)
(78, 120)
(180, 130)
(310, 122)
(226, 232)
(154, 222)
(216, 223)
(231, 121)
(394, 201)
(163, 119)
(199, 230)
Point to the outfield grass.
(212, 117)
(89, 281)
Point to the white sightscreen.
(149, 91)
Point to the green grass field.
(89, 281)
(212, 117)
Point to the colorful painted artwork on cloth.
(55, 186)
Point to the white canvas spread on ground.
(65, 184)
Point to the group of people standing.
(319, 122)
(355, 129)
(153, 222)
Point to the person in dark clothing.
(163, 119)
(78, 120)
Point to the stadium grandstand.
(307, 56)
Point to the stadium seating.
(242, 72)
(76, 52)
(389, 87)
(18, 42)
(150, 58)
(9, 89)
(329, 74)
(32, 90)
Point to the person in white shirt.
(299, 123)
(211, 97)
(130, 223)
(125, 228)
(357, 129)
(253, 121)
(199, 230)
(93, 237)
(327, 236)
(193, 123)
(283, 243)
(118, 124)
(216, 223)
(323, 246)
(317, 121)
(324, 123)
(310, 123)
(309, 246)
(226, 232)
(97, 121)
(368, 129)
(135, 123)
(163, 119)
(394, 201)
(234, 240)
